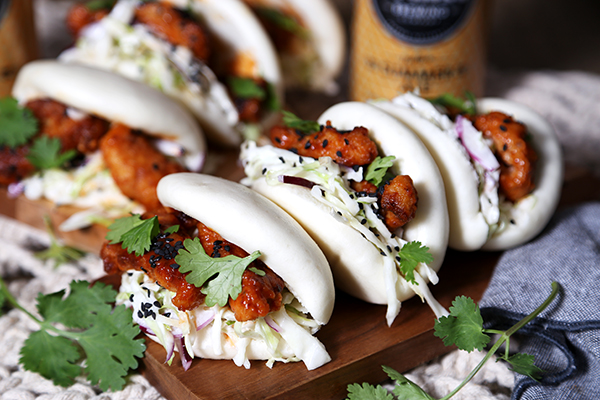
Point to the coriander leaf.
(95, 5)
(523, 364)
(281, 20)
(467, 106)
(368, 392)
(111, 348)
(45, 153)
(378, 169)
(136, 234)
(106, 335)
(57, 251)
(201, 267)
(53, 357)
(172, 229)
(246, 88)
(272, 103)
(292, 121)
(411, 254)
(18, 123)
(463, 327)
(405, 389)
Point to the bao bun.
(356, 263)
(252, 222)
(114, 98)
(468, 228)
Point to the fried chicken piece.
(159, 264)
(79, 16)
(14, 164)
(398, 201)
(517, 157)
(135, 165)
(345, 148)
(175, 26)
(260, 294)
(82, 134)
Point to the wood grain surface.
(357, 337)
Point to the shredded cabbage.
(154, 311)
(332, 188)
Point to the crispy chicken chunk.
(80, 15)
(345, 148)
(14, 164)
(82, 134)
(135, 165)
(175, 26)
(517, 157)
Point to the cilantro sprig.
(292, 121)
(464, 106)
(91, 330)
(463, 328)
(134, 233)
(411, 254)
(18, 123)
(201, 267)
(57, 251)
(248, 88)
(377, 171)
(283, 21)
(45, 153)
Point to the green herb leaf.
(172, 229)
(463, 327)
(202, 267)
(257, 271)
(368, 392)
(272, 102)
(135, 233)
(45, 153)
(18, 123)
(282, 20)
(467, 106)
(292, 121)
(411, 254)
(58, 252)
(405, 388)
(246, 88)
(378, 169)
(522, 363)
(96, 5)
(106, 336)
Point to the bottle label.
(422, 22)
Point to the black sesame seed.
(157, 304)
(325, 143)
(301, 160)
(397, 248)
(503, 128)
(512, 221)
(381, 252)
(140, 314)
(346, 141)
(264, 171)
(227, 248)
(339, 213)
(307, 145)
(174, 266)
(282, 160)
(277, 140)
(217, 242)
(294, 150)
(507, 120)
(505, 147)
(131, 298)
(155, 166)
(338, 153)
(363, 221)
(398, 258)
(389, 248)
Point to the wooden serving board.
(357, 337)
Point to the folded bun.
(358, 265)
(115, 98)
(468, 227)
(253, 222)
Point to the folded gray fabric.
(565, 338)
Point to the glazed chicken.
(259, 295)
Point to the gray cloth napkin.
(565, 338)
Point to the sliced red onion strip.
(272, 324)
(294, 180)
(186, 360)
(201, 325)
(15, 189)
(477, 149)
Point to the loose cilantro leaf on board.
(45, 153)
(463, 327)
(522, 363)
(246, 88)
(135, 233)
(57, 251)
(91, 330)
(411, 254)
(18, 123)
(292, 121)
(377, 170)
(202, 267)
